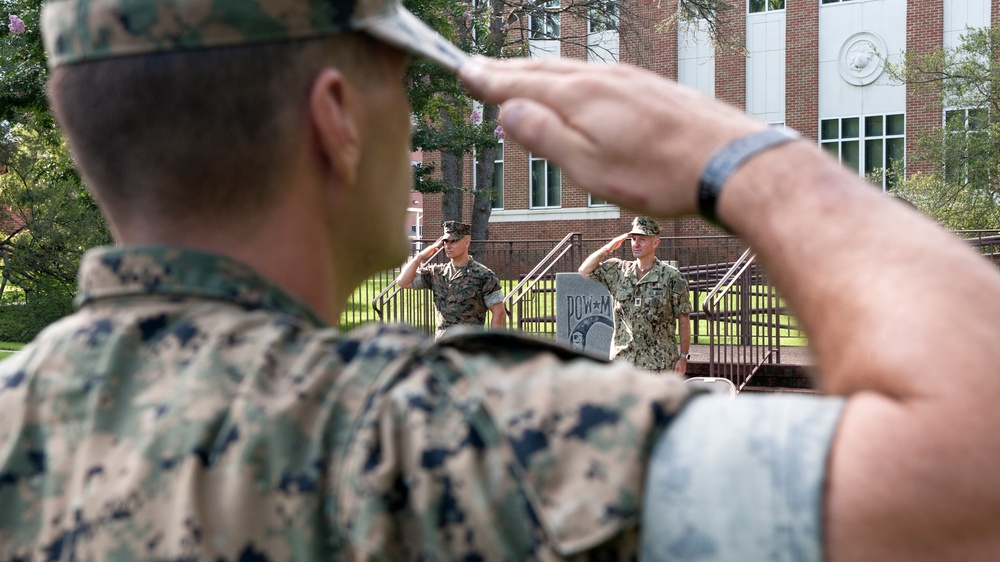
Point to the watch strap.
(728, 159)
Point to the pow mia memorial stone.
(583, 314)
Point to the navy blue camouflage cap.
(84, 30)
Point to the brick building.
(817, 66)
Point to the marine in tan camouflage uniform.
(650, 298)
(463, 288)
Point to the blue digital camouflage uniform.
(645, 311)
(191, 410)
(462, 295)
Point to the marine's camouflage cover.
(645, 311)
(455, 230)
(190, 410)
(462, 295)
(81, 30)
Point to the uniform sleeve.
(680, 296)
(742, 479)
(491, 290)
(607, 272)
(425, 277)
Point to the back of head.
(185, 107)
(191, 132)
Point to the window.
(767, 5)
(834, 1)
(873, 145)
(546, 184)
(544, 22)
(597, 201)
(965, 160)
(498, 177)
(602, 16)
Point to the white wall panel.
(696, 58)
(766, 66)
(962, 14)
(837, 23)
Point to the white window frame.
(862, 139)
(612, 8)
(551, 28)
(966, 130)
(532, 160)
(765, 6)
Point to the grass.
(8, 348)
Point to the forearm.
(593, 260)
(498, 318)
(864, 273)
(409, 271)
(684, 333)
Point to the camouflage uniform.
(191, 410)
(462, 295)
(645, 311)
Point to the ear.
(335, 111)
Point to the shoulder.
(612, 265)
(479, 268)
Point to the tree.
(962, 191)
(47, 217)
(448, 121)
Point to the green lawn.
(8, 348)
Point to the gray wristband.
(728, 159)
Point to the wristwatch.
(686, 356)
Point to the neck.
(299, 260)
(646, 262)
(460, 261)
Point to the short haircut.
(194, 133)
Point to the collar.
(636, 268)
(128, 271)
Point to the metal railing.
(415, 309)
(524, 308)
(744, 327)
(386, 297)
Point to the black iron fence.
(702, 259)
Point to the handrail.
(726, 282)
(381, 298)
(528, 282)
(725, 359)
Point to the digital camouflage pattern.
(82, 30)
(645, 311)
(454, 230)
(462, 295)
(645, 226)
(190, 410)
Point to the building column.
(802, 67)
(641, 42)
(924, 33)
(731, 61)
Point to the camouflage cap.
(454, 230)
(83, 30)
(645, 226)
